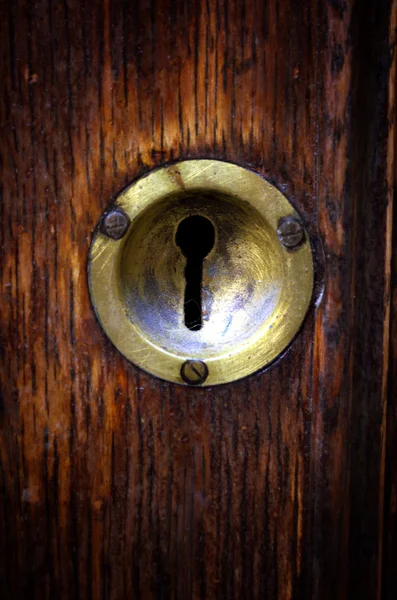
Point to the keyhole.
(195, 237)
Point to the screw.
(194, 372)
(115, 224)
(290, 232)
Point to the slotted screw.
(115, 224)
(194, 372)
(290, 232)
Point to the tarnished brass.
(255, 290)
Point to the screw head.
(194, 372)
(115, 224)
(290, 232)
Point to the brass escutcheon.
(250, 287)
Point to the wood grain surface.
(114, 484)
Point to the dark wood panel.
(354, 317)
(114, 484)
(389, 584)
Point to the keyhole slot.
(195, 237)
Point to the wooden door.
(115, 484)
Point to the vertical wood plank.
(389, 583)
(351, 356)
(117, 485)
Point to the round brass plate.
(255, 289)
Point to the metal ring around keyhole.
(254, 283)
